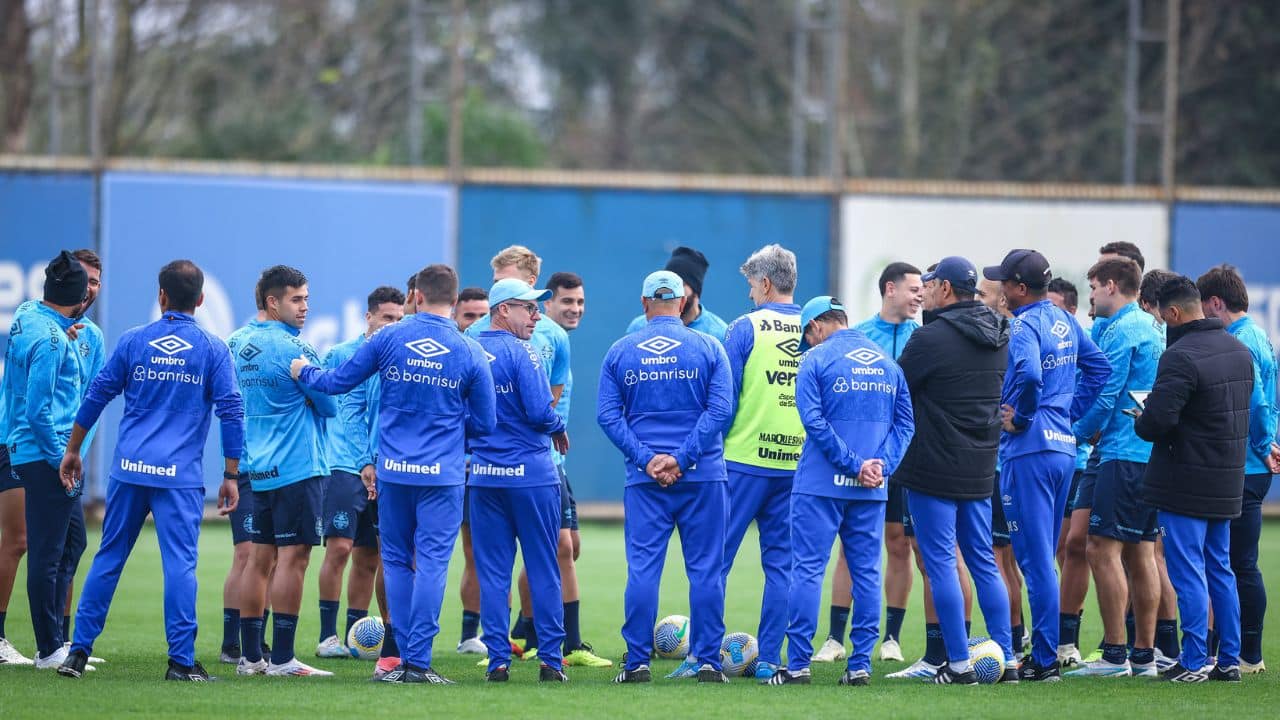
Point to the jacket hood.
(976, 322)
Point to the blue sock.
(1130, 628)
(1167, 637)
(1068, 626)
(251, 638)
(968, 626)
(266, 623)
(1114, 654)
(354, 615)
(839, 623)
(470, 625)
(66, 628)
(893, 617)
(2, 615)
(530, 633)
(935, 647)
(230, 628)
(389, 647)
(1142, 656)
(1018, 632)
(282, 632)
(572, 630)
(517, 628)
(328, 618)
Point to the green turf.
(133, 644)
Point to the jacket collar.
(279, 325)
(931, 315)
(1203, 325)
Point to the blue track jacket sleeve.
(901, 431)
(717, 414)
(228, 405)
(106, 385)
(1024, 368)
(612, 418)
(817, 430)
(739, 341)
(324, 404)
(535, 391)
(326, 383)
(353, 412)
(1119, 359)
(42, 379)
(1094, 371)
(1175, 380)
(482, 399)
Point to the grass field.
(133, 644)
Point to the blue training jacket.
(348, 433)
(1046, 346)
(91, 345)
(42, 388)
(667, 389)
(284, 422)
(855, 406)
(436, 392)
(171, 373)
(891, 337)
(1264, 413)
(1132, 346)
(518, 452)
(707, 322)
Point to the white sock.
(960, 667)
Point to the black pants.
(52, 551)
(1245, 531)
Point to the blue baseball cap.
(813, 309)
(660, 280)
(961, 273)
(513, 289)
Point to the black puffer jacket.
(955, 367)
(1197, 419)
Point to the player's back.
(37, 345)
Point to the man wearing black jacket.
(955, 366)
(1197, 419)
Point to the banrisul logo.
(170, 344)
(1059, 329)
(790, 346)
(866, 357)
(425, 349)
(658, 346)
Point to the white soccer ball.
(671, 637)
(739, 654)
(987, 659)
(364, 640)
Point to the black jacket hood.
(975, 322)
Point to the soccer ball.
(671, 637)
(364, 640)
(739, 654)
(987, 659)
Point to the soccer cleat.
(585, 657)
(831, 651)
(918, 670)
(499, 674)
(1179, 674)
(9, 654)
(472, 646)
(947, 676)
(295, 668)
(1094, 656)
(92, 660)
(1032, 672)
(1068, 655)
(1010, 674)
(1144, 670)
(1102, 668)
(330, 647)
(74, 665)
(688, 669)
(785, 677)
(1164, 662)
(385, 665)
(1230, 673)
(890, 651)
(54, 660)
(182, 673)
(395, 675)
(708, 674)
(251, 668)
(856, 678)
(230, 655)
(546, 673)
(429, 676)
(639, 675)
(764, 670)
(516, 650)
(1248, 668)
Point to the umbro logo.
(250, 352)
(170, 344)
(791, 347)
(490, 356)
(864, 356)
(16, 328)
(427, 348)
(659, 345)
(1059, 329)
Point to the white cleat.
(1164, 662)
(1248, 668)
(251, 668)
(890, 651)
(831, 651)
(472, 646)
(918, 670)
(331, 648)
(1068, 655)
(53, 661)
(296, 668)
(1149, 670)
(9, 655)
(1102, 668)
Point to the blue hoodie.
(1046, 345)
(891, 337)
(667, 389)
(42, 388)
(436, 392)
(284, 422)
(517, 453)
(348, 433)
(171, 373)
(1132, 346)
(1264, 413)
(855, 406)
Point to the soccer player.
(856, 410)
(156, 469)
(691, 266)
(473, 304)
(436, 392)
(286, 464)
(1197, 419)
(42, 391)
(954, 367)
(665, 398)
(515, 485)
(350, 515)
(1040, 399)
(762, 445)
(1122, 527)
(1224, 296)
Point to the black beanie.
(65, 281)
(690, 265)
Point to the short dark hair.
(1180, 292)
(1149, 291)
(894, 273)
(384, 294)
(1224, 281)
(1124, 248)
(88, 257)
(259, 297)
(412, 284)
(837, 316)
(566, 280)
(438, 285)
(473, 293)
(1067, 290)
(182, 282)
(277, 278)
(1124, 272)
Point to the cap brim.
(928, 277)
(538, 295)
(993, 272)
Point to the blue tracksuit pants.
(1035, 487)
(698, 510)
(419, 526)
(49, 512)
(1198, 555)
(942, 523)
(767, 501)
(500, 517)
(178, 513)
(815, 522)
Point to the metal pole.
(55, 80)
(1131, 93)
(799, 86)
(413, 123)
(1168, 140)
(837, 72)
(93, 25)
(457, 89)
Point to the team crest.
(341, 521)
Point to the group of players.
(970, 425)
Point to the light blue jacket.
(42, 385)
(1264, 412)
(1132, 346)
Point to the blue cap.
(513, 289)
(663, 279)
(961, 273)
(813, 309)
